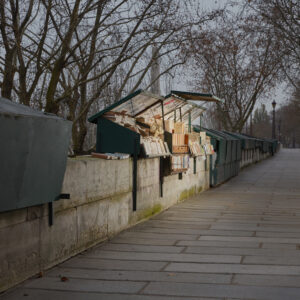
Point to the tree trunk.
(79, 132)
(8, 76)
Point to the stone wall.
(100, 206)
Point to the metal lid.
(147, 105)
(197, 96)
(133, 104)
(8, 107)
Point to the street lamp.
(273, 124)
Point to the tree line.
(73, 58)
(254, 47)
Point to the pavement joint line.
(165, 266)
(83, 292)
(140, 251)
(143, 288)
(134, 244)
(184, 250)
(91, 257)
(232, 279)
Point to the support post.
(161, 177)
(134, 175)
(51, 213)
(134, 182)
(200, 122)
(273, 125)
(163, 115)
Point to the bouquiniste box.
(179, 127)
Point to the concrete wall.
(100, 206)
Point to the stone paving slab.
(213, 290)
(238, 241)
(233, 269)
(290, 254)
(278, 234)
(194, 231)
(179, 218)
(144, 241)
(267, 280)
(165, 223)
(82, 285)
(140, 275)
(251, 239)
(178, 225)
(280, 246)
(159, 236)
(114, 264)
(36, 294)
(221, 244)
(283, 260)
(139, 248)
(259, 227)
(170, 257)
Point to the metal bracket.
(50, 207)
(51, 213)
(62, 196)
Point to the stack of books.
(154, 146)
(180, 162)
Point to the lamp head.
(274, 104)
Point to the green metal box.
(112, 137)
(34, 148)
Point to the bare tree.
(280, 19)
(262, 125)
(238, 65)
(71, 57)
(14, 18)
(288, 121)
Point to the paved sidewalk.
(238, 241)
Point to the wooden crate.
(180, 149)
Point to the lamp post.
(273, 123)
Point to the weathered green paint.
(124, 140)
(34, 149)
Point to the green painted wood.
(111, 138)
